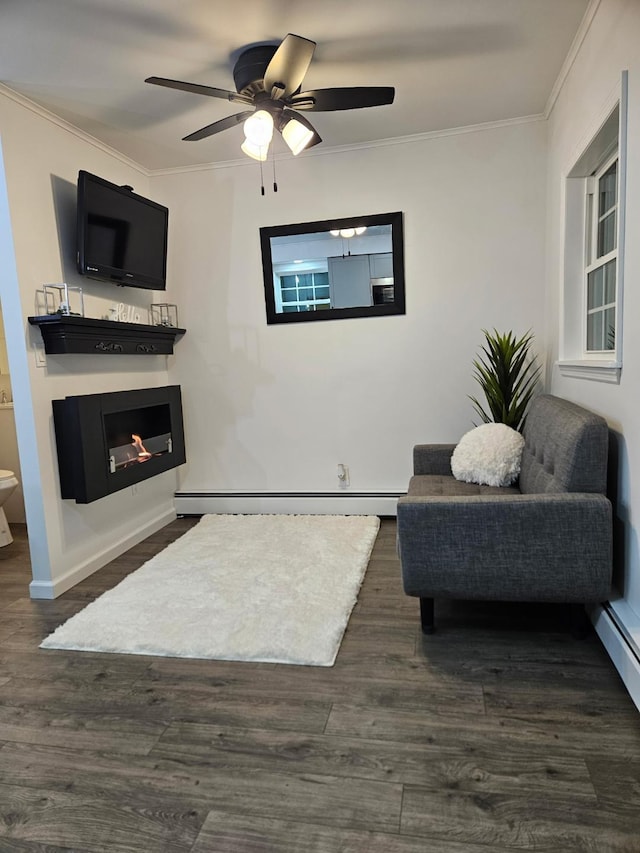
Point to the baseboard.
(620, 645)
(52, 589)
(302, 503)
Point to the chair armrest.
(432, 458)
(540, 547)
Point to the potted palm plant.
(508, 374)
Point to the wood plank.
(320, 798)
(319, 684)
(68, 821)
(610, 738)
(532, 822)
(82, 667)
(60, 697)
(437, 766)
(99, 732)
(617, 783)
(202, 702)
(232, 833)
(573, 704)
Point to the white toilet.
(8, 482)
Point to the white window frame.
(315, 304)
(594, 261)
(606, 144)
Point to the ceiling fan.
(268, 80)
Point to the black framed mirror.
(334, 269)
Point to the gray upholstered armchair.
(549, 538)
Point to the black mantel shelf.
(69, 334)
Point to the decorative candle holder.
(57, 299)
(164, 314)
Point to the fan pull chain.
(261, 179)
(273, 161)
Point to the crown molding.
(576, 44)
(46, 114)
(360, 146)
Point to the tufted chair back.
(565, 448)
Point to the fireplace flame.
(143, 453)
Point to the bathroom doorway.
(9, 459)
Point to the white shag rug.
(272, 588)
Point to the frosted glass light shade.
(258, 152)
(296, 135)
(258, 128)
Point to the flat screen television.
(122, 237)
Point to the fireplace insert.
(106, 442)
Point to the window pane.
(287, 281)
(321, 278)
(607, 189)
(305, 293)
(594, 331)
(595, 288)
(289, 309)
(322, 292)
(610, 282)
(607, 234)
(290, 295)
(610, 329)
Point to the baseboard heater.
(621, 646)
(339, 503)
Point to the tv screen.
(122, 237)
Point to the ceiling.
(453, 63)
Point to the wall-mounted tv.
(122, 237)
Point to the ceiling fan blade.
(217, 126)
(289, 64)
(293, 114)
(197, 89)
(347, 98)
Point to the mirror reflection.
(334, 268)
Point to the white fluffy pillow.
(489, 454)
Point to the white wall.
(610, 47)
(274, 408)
(37, 207)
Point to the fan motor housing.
(248, 72)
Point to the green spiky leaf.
(508, 375)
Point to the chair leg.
(579, 621)
(426, 615)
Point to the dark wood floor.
(501, 732)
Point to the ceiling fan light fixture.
(258, 152)
(296, 135)
(258, 128)
(347, 233)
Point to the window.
(593, 262)
(304, 291)
(601, 260)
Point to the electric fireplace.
(106, 442)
